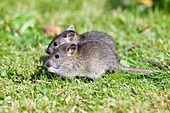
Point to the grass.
(26, 86)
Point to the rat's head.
(61, 57)
(67, 36)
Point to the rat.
(89, 59)
(70, 36)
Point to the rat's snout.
(48, 63)
(48, 51)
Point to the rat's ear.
(71, 49)
(70, 36)
(69, 28)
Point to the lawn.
(26, 86)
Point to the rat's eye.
(55, 44)
(56, 56)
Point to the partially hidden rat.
(70, 36)
(89, 59)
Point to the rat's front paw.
(51, 69)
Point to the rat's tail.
(138, 70)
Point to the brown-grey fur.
(70, 36)
(88, 59)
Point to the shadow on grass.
(115, 4)
(161, 80)
(132, 5)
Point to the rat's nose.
(47, 64)
(48, 51)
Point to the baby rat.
(70, 36)
(87, 59)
